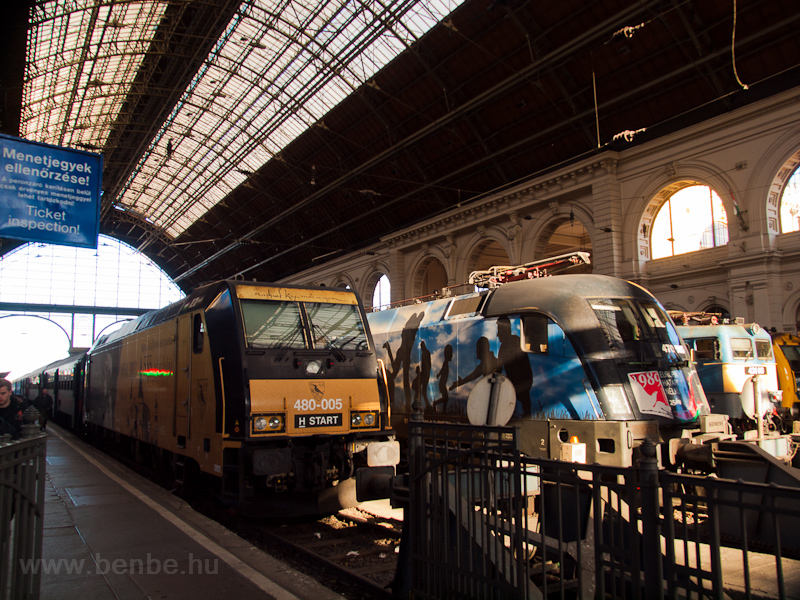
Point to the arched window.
(114, 275)
(693, 218)
(790, 204)
(382, 295)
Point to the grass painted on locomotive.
(589, 356)
(737, 368)
(257, 387)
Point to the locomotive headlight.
(363, 419)
(313, 367)
(268, 424)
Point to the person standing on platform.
(44, 404)
(11, 408)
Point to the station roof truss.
(259, 137)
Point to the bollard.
(29, 427)
(651, 521)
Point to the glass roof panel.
(82, 58)
(278, 68)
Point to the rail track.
(353, 552)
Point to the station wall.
(606, 204)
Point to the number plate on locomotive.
(756, 370)
(306, 421)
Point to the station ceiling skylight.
(82, 60)
(277, 69)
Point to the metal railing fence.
(485, 522)
(22, 483)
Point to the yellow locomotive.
(259, 393)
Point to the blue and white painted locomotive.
(590, 358)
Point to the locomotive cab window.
(639, 331)
(706, 349)
(792, 354)
(270, 324)
(742, 348)
(618, 321)
(764, 349)
(336, 326)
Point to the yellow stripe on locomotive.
(312, 407)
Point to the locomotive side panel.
(101, 385)
(195, 408)
(156, 386)
(440, 361)
(146, 388)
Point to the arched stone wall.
(776, 187)
(772, 171)
(428, 256)
(344, 280)
(539, 238)
(746, 154)
(790, 313)
(474, 247)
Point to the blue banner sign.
(49, 193)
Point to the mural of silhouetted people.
(425, 372)
(514, 362)
(487, 363)
(443, 376)
(415, 387)
(403, 355)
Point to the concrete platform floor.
(110, 533)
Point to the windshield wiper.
(337, 353)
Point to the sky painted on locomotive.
(436, 352)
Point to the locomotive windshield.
(764, 349)
(640, 331)
(272, 324)
(793, 356)
(336, 326)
